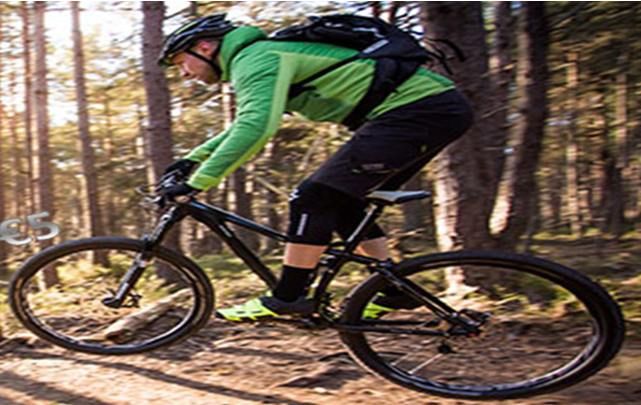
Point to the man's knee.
(313, 212)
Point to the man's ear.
(207, 47)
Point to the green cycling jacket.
(261, 73)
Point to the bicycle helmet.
(213, 26)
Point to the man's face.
(192, 68)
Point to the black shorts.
(387, 151)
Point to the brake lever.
(168, 180)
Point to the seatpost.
(357, 236)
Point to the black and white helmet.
(213, 26)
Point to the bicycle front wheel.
(541, 327)
(59, 295)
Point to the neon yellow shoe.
(265, 308)
(383, 304)
(375, 311)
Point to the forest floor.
(277, 364)
(255, 365)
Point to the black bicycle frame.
(218, 219)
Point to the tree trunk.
(243, 201)
(635, 178)
(393, 12)
(621, 112)
(156, 89)
(193, 9)
(45, 181)
(501, 62)
(636, 181)
(88, 159)
(376, 8)
(612, 203)
(17, 154)
(551, 194)
(465, 174)
(414, 211)
(4, 272)
(502, 69)
(158, 134)
(273, 154)
(513, 208)
(572, 148)
(617, 226)
(28, 110)
(125, 329)
(111, 227)
(610, 193)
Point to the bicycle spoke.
(513, 331)
(74, 313)
(425, 363)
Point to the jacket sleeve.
(201, 152)
(261, 81)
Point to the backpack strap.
(297, 88)
(389, 73)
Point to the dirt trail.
(248, 365)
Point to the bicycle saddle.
(395, 197)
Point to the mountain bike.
(488, 325)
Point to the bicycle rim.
(543, 327)
(59, 293)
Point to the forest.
(551, 166)
(552, 151)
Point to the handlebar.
(153, 194)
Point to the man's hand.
(183, 167)
(182, 189)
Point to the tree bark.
(158, 134)
(193, 9)
(414, 211)
(514, 202)
(572, 148)
(20, 196)
(125, 329)
(621, 113)
(622, 158)
(273, 154)
(465, 175)
(4, 271)
(502, 61)
(610, 218)
(45, 181)
(88, 159)
(551, 193)
(111, 224)
(28, 110)
(502, 69)
(612, 202)
(156, 89)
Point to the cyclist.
(400, 135)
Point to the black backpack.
(397, 53)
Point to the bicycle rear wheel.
(58, 295)
(543, 327)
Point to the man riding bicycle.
(395, 140)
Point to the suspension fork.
(143, 258)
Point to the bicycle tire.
(200, 289)
(607, 328)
